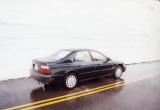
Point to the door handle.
(98, 64)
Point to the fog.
(125, 30)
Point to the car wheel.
(118, 72)
(70, 81)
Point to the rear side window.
(83, 56)
(97, 56)
(60, 54)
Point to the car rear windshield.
(60, 54)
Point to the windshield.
(60, 54)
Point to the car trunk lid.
(41, 65)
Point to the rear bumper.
(45, 79)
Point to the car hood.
(115, 62)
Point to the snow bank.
(126, 30)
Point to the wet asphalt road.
(140, 95)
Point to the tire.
(46, 86)
(118, 72)
(70, 81)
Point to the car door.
(102, 66)
(84, 65)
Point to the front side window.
(97, 56)
(83, 56)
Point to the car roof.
(74, 50)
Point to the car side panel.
(103, 68)
(85, 69)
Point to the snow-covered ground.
(127, 30)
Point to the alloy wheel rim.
(118, 72)
(71, 81)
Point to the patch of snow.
(126, 30)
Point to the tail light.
(44, 69)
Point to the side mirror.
(107, 60)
